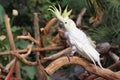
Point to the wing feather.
(84, 47)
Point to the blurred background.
(101, 22)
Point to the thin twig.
(49, 24)
(3, 68)
(2, 77)
(57, 55)
(46, 29)
(29, 37)
(11, 71)
(114, 56)
(9, 32)
(49, 48)
(29, 51)
(9, 65)
(22, 55)
(80, 17)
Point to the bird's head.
(66, 22)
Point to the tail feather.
(93, 54)
(100, 64)
(85, 52)
(89, 51)
(92, 59)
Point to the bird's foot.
(68, 56)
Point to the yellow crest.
(58, 12)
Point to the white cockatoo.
(77, 38)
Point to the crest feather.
(66, 13)
(58, 12)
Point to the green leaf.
(14, 29)
(29, 72)
(22, 44)
(101, 34)
(2, 13)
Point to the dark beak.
(61, 25)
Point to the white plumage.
(77, 38)
(80, 42)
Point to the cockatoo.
(77, 39)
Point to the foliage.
(26, 10)
(29, 72)
(108, 31)
(2, 12)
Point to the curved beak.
(61, 25)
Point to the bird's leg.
(72, 45)
(72, 52)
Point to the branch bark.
(40, 68)
(115, 65)
(12, 45)
(49, 24)
(106, 73)
(80, 17)
(49, 48)
(57, 55)
(29, 37)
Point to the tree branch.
(57, 55)
(49, 48)
(40, 68)
(12, 46)
(29, 37)
(106, 73)
(49, 24)
(80, 17)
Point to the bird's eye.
(65, 22)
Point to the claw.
(68, 56)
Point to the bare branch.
(49, 48)
(9, 32)
(115, 65)
(106, 73)
(9, 65)
(12, 45)
(29, 37)
(2, 68)
(80, 17)
(49, 24)
(11, 71)
(57, 55)
(24, 60)
(2, 77)
(114, 56)
(29, 51)
(40, 68)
